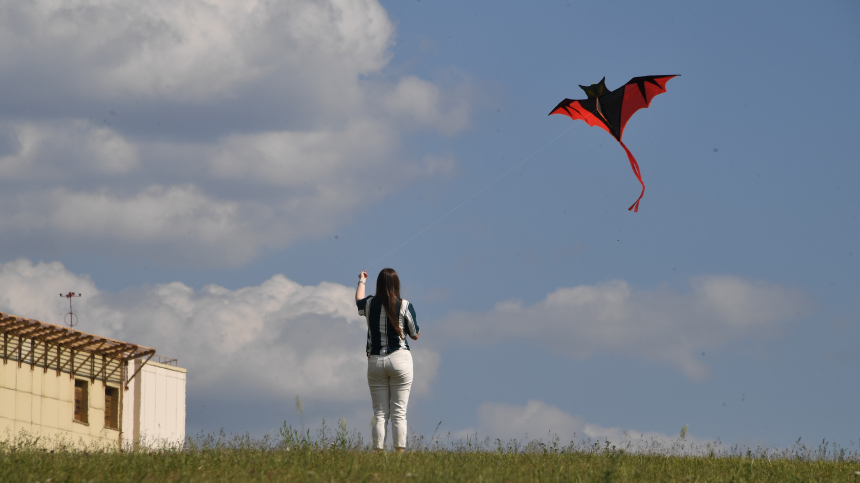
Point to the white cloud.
(253, 124)
(538, 420)
(283, 186)
(33, 290)
(423, 104)
(152, 221)
(657, 325)
(191, 50)
(278, 339)
(45, 152)
(291, 159)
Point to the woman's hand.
(359, 291)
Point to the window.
(81, 401)
(111, 404)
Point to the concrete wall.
(42, 404)
(154, 406)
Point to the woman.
(389, 362)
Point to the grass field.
(339, 456)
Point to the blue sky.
(215, 175)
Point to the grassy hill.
(338, 456)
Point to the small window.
(111, 403)
(81, 401)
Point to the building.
(65, 385)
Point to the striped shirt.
(382, 339)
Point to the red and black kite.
(611, 110)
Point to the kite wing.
(610, 111)
(638, 94)
(585, 110)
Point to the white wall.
(40, 404)
(154, 406)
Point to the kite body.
(610, 111)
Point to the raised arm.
(359, 291)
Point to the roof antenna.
(70, 319)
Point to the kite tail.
(633, 164)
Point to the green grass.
(338, 456)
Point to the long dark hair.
(388, 293)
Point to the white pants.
(390, 380)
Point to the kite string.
(470, 198)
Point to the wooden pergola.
(60, 346)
